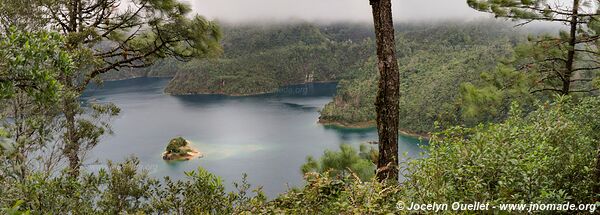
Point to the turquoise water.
(268, 136)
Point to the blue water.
(268, 136)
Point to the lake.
(267, 136)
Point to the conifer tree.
(388, 95)
(566, 63)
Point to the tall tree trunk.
(571, 53)
(70, 102)
(388, 94)
(71, 136)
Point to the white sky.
(330, 10)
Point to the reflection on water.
(347, 134)
(266, 136)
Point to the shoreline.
(135, 77)
(340, 124)
(247, 94)
(370, 124)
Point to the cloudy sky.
(330, 10)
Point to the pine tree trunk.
(571, 53)
(389, 91)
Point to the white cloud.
(329, 10)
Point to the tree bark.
(571, 53)
(388, 95)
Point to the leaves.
(344, 163)
(543, 157)
(32, 63)
(560, 64)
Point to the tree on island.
(176, 144)
(388, 95)
(180, 149)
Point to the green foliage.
(175, 145)
(546, 156)
(31, 65)
(202, 193)
(491, 99)
(262, 59)
(124, 189)
(548, 64)
(324, 194)
(32, 62)
(243, 40)
(14, 15)
(433, 61)
(564, 63)
(354, 100)
(14, 210)
(166, 67)
(527, 9)
(345, 162)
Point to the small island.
(180, 149)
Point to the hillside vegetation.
(164, 68)
(434, 61)
(260, 59)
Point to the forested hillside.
(163, 68)
(260, 59)
(434, 61)
(513, 122)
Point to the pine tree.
(388, 95)
(566, 63)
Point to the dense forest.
(512, 117)
(435, 60)
(262, 58)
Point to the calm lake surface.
(267, 136)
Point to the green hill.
(434, 61)
(260, 59)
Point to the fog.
(331, 10)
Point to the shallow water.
(268, 136)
